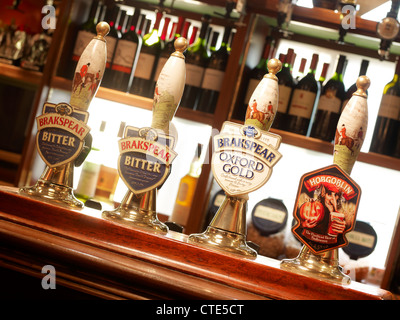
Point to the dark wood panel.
(89, 249)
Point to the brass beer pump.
(136, 167)
(354, 116)
(63, 140)
(227, 230)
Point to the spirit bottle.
(187, 187)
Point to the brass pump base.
(137, 211)
(227, 230)
(223, 240)
(324, 266)
(54, 192)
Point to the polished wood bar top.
(113, 261)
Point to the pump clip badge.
(61, 133)
(325, 209)
(144, 159)
(243, 157)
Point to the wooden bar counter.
(106, 260)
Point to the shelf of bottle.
(314, 16)
(136, 101)
(20, 75)
(327, 147)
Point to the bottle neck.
(165, 28)
(288, 60)
(186, 29)
(112, 15)
(157, 22)
(302, 66)
(338, 75)
(201, 40)
(397, 72)
(132, 21)
(313, 66)
(324, 72)
(94, 12)
(152, 37)
(364, 68)
(195, 168)
(179, 27)
(193, 35)
(214, 39)
(225, 38)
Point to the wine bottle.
(168, 48)
(285, 84)
(143, 79)
(113, 36)
(187, 187)
(163, 36)
(214, 76)
(126, 55)
(330, 104)
(193, 35)
(353, 87)
(256, 75)
(197, 57)
(302, 68)
(387, 122)
(85, 34)
(324, 71)
(303, 100)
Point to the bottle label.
(321, 222)
(144, 66)
(160, 65)
(329, 102)
(219, 199)
(244, 157)
(284, 96)
(302, 103)
(124, 56)
(183, 192)
(213, 79)
(61, 133)
(82, 40)
(362, 239)
(390, 107)
(194, 75)
(271, 214)
(111, 44)
(253, 83)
